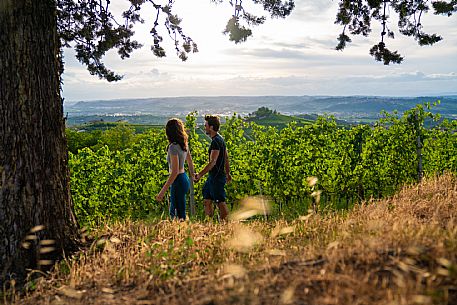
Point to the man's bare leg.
(209, 210)
(223, 210)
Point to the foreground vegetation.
(400, 250)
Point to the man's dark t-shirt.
(218, 143)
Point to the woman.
(177, 153)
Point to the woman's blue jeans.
(178, 192)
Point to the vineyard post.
(418, 146)
(263, 202)
(192, 199)
(191, 126)
(358, 146)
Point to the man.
(218, 168)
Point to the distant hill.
(342, 107)
(268, 117)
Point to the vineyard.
(351, 164)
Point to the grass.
(401, 250)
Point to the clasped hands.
(196, 177)
(161, 194)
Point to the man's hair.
(213, 120)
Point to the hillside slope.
(402, 250)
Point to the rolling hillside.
(401, 250)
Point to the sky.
(291, 56)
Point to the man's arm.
(212, 162)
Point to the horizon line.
(219, 96)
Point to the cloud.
(409, 77)
(294, 56)
(317, 10)
(448, 76)
(405, 84)
(149, 75)
(395, 84)
(308, 43)
(274, 53)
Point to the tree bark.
(34, 174)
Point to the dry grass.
(402, 250)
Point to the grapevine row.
(351, 164)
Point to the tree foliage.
(356, 18)
(92, 29)
(263, 112)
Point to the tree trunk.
(34, 174)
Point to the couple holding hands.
(218, 168)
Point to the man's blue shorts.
(213, 188)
